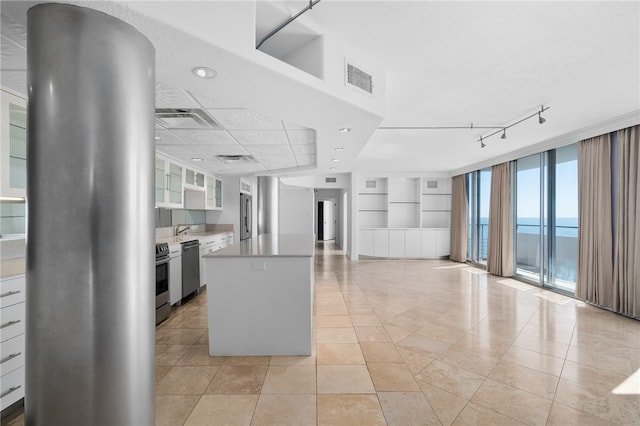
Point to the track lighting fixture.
(471, 126)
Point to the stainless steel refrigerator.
(245, 216)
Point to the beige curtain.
(626, 263)
(499, 250)
(594, 222)
(459, 219)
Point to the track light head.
(504, 134)
(482, 144)
(541, 119)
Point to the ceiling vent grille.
(185, 118)
(359, 79)
(330, 180)
(236, 159)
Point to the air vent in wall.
(370, 184)
(432, 184)
(330, 180)
(360, 79)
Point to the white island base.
(260, 297)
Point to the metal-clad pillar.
(268, 205)
(90, 240)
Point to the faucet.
(182, 231)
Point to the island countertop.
(267, 245)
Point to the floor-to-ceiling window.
(546, 218)
(478, 190)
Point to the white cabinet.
(210, 203)
(13, 146)
(175, 273)
(169, 183)
(12, 326)
(396, 243)
(365, 242)
(443, 240)
(429, 243)
(380, 242)
(218, 197)
(194, 179)
(413, 243)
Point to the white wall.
(296, 210)
(319, 181)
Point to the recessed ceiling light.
(344, 129)
(335, 160)
(197, 159)
(333, 168)
(339, 149)
(157, 138)
(204, 72)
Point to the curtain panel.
(459, 219)
(595, 266)
(626, 261)
(499, 250)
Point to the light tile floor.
(411, 342)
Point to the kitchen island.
(260, 296)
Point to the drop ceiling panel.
(205, 137)
(170, 97)
(13, 30)
(207, 101)
(270, 150)
(301, 137)
(223, 149)
(260, 137)
(242, 119)
(13, 56)
(278, 162)
(291, 126)
(167, 138)
(179, 150)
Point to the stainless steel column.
(268, 205)
(90, 241)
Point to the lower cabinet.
(12, 358)
(404, 243)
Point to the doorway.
(326, 220)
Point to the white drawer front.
(12, 388)
(12, 291)
(12, 354)
(11, 321)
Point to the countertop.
(12, 267)
(283, 245)
(188, 237)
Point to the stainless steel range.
(162, 282)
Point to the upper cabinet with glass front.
(13, 148)
(169, 183)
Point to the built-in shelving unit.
(404, 216)
(373, 205)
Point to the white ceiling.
(491, 63)
(487, 63)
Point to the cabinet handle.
(11, 390)
(10, 323)
(10, 357)
(9, 293)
